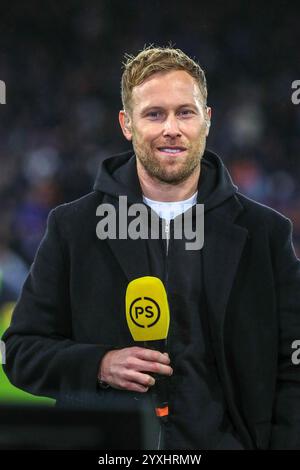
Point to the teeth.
(170, 150)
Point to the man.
(235, 304)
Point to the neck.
(166, 192)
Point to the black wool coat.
(71, 312)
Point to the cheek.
(197, 133)
(147, 134)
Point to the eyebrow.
(159, 108)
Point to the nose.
(171, 127)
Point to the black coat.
(71, 310)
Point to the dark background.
(61, 62)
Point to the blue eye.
(154, 114)
(186, 112)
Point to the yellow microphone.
(148, 319)
(147, 309)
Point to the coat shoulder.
(77, 216)
(86, 202)
(261, 213)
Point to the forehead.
(162, 87)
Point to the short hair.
(157, 59)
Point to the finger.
(134, 387)
(162, 369)
(131, 387)
(140, 378)
(152, 356)
(154, 367)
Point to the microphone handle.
(157, 345)
(160, 396)
(160, 391)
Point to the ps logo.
(144, 312)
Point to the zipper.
(167, 233)
(167, 229)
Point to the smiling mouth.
(172, 150)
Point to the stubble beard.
(156, 169)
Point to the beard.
(171, 170)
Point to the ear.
(125, 123)
(207, 119)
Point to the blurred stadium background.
(61, 62)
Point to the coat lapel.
(132, 257)
(223, 245)
(131, 254)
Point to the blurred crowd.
(61, 62)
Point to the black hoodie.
(117, 176)
(198, 417)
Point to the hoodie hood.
(117, 176)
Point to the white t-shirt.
(170, 210)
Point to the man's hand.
(127, 368)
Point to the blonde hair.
(157, 59)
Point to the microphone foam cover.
(147, 309)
